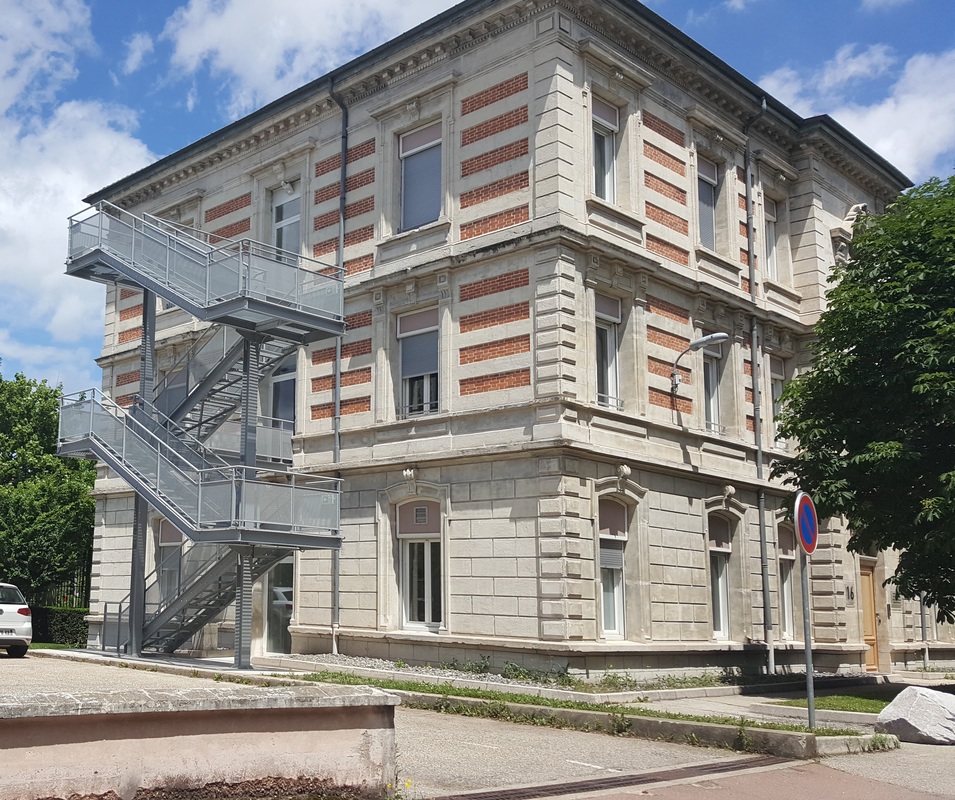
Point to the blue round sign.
(807, 523)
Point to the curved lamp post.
(713, 338)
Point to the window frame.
(169, 544)
(426, 543)
(787, 605)
(719, 556)
(612, 578)
(404, 159)
(277, 227)
(607, 331)
(770, 239)
(777, 385)
(710, 212)
(712, 370)
(604, 132)
(429, 402)
(284, 374)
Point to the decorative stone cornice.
(643, 44)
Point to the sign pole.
(807, 526)
(807, 636)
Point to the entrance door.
(869, 619)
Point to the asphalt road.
(441, 755)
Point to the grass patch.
(51, 646)
(868, 700)
(496, 706)
(844, 702)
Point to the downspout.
(336, 377)
(755, 356)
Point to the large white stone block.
(920, 715)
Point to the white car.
(16, 623)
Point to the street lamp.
(696, 344)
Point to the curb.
(822, 715)
(787, 744)
(645, 696)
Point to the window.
(283, 393)
(777, 379)
(707, 193)
(769, 212)
(419, 531)
(720, 547)
(287, 218)
(420, 155)
(787, 563)
(712, 372)
(612, 531)
(607, 313)
(418, 337)
(170, 560)
(606, 123)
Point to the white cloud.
(738, 5)
(39, 47)
(912, 124)
(138, 47)
(73, 367)
(52, 157)
(260, 62)
(850, 66)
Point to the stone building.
(538, 208)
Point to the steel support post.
(243, 609)
(250, 408)
(137, 560)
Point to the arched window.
(612, 534)
(720, 545)
(419, 533)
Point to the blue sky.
(92, 90)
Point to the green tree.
(875, 417)
(46, 511)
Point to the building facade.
(538, 208)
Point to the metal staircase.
(247, 285)
(170, 624)
(204, 389)
(214, 502)
(179, 451)
(206, 584)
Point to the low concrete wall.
(55, 745)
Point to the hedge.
(54, 625)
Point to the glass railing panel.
(216, 500)
(317, 509)
(75, 419)
(183, 492)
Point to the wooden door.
(870, 626)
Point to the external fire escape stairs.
(261, 304)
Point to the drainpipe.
(336, 379)
(756, 354)
(924, 631)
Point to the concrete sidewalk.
(444, 755)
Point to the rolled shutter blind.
(611, 554)
(419, 354)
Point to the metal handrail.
(219, 496)
(179, 433)
(230, 269)
(205, 339)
